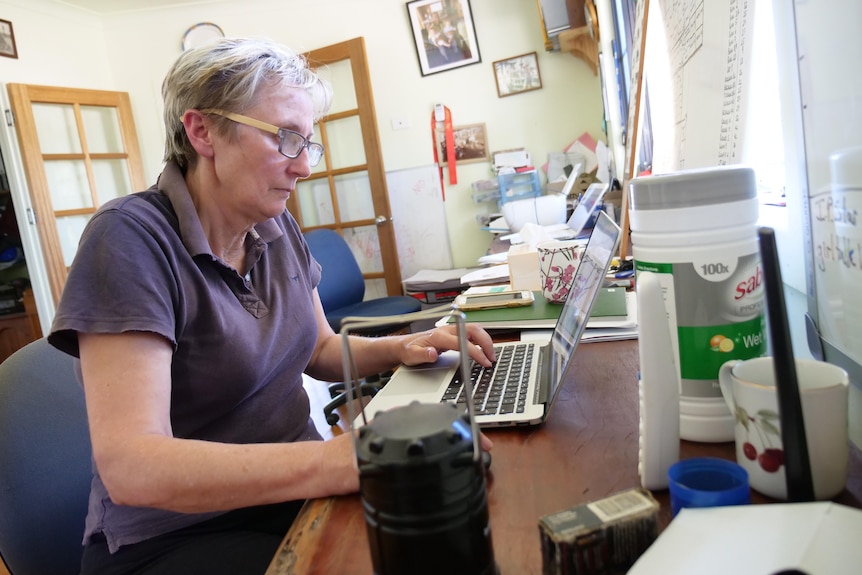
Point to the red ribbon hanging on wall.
(449, 136)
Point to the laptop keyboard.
(501, 388)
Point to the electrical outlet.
(400, 123)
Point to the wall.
(132, 51)
(57, 46)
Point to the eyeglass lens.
(292, 144)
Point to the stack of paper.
(492, 275)
(435, 279)
(813, 538)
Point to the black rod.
(797, 466)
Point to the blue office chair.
(342, 289)
(45, 462)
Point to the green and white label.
(715, 310)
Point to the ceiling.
(118, 6)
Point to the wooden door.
(347, 190)
(79, 149)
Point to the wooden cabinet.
(19, 329)
(15, 333)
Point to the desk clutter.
(691, 336)
(520, 192)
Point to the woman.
(193, 309)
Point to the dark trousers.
(242, 541)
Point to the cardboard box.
(602, 537)
(524, 268)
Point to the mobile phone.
(492, 300)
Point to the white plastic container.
(697, 229)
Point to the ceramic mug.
(558, 261)
(749, 389)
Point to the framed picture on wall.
(471, 144)
(517, 74)
(7, 40)
(443, 34)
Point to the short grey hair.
(228, 74)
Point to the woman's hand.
(425, 347)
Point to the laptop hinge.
(543, 392)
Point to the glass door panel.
(70, 229)
(56, 129)
(364, 245)
(315, 202)
(68, 185)
(375, 288)
(102, 130)
(354, 196)
(344, 142)
(112, 179)
(340, 74)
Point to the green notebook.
(611, 302)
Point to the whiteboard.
(829, 50)
(419, 219)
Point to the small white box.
(524, 268)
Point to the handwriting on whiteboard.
(840, 241)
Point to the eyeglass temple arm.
(244, 120)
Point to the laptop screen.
(586, 282)
(581, 215)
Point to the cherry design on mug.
(765, 423)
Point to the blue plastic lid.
(707, 482)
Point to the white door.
(25, 216)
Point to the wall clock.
(200, 34)
(592, 20)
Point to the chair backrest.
(45, 462)
(342, 283)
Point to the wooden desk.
(588, 449)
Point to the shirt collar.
(172, 183)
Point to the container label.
(715, 309)
(702, 350)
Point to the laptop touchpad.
(424, 378)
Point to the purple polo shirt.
(240, 345)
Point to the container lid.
(693, 188)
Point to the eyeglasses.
(290, 143)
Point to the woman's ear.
(199, 131)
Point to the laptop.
(540, 367)
(581, 215)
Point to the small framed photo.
(471, 144)
(443, 34)
(7, 40)
(517, 75)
